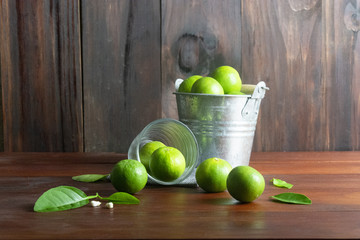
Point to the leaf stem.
(93, 196)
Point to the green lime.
(146, 151)
(245, 183)
(187, 84)
(248, 88)
(212, 173)
(207, 85)
(236, 93)
(228, 77)
(167, 164)
(128, 176)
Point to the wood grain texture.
(341, 55)
(282, 46)
(122, 82)
(197, 37)
(41, 75)
(330, 179)
(309, 58)
(92, 82)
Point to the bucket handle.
(251, 109)
(178, 83)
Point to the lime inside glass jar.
(172, 133)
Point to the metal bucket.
(224, 125)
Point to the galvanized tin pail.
(224, 125)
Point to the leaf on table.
(61, 198)
(294, 198)
(122, 198)
(90, 177)
(281, 183)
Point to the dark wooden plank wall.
(121, 71)
(284, 48)
(89, 75)
(41, 75)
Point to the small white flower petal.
(95, 203)
(109, 205)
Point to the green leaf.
(61, 198)
(281, 184)
(295, 198)
(122, 198)
(90, 177)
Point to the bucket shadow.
(221, 201)
(28, 207)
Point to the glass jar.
(172, 133)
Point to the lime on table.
(147, 150)
(128, 176)
(207, 85)
(245, 183)
(212, 173)
(228, 77)
(187, 84)
(167, 164)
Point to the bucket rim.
(213, 95)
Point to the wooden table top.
(330, 179)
